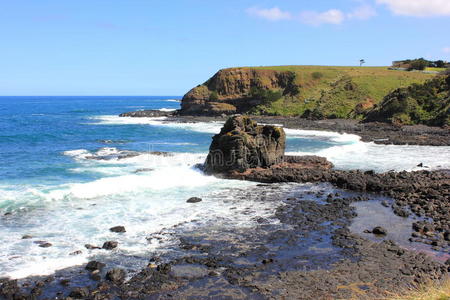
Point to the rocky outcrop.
(243, 144)
(147, 114)
(230, 90)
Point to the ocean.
(71, 169)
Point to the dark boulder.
(117, 229)
(45, 245)
(110, 245)
(79, 293)
(243, 144)
(194, 200)
(94, 265)
(116, 276)
(91, 247)
(379, 230)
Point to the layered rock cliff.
(236, 90)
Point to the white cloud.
(363, 12)
(418, 8)
(271, 14)
(332, 16)
(446, 49)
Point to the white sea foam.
(167, 109)
(325, 135)
(173, 100)
(207, 127)
(69, 216)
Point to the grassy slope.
(328, 93)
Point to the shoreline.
(304, 241)
(379, 133)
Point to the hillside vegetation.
(308, 91)
(427, 103)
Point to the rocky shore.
(379, 133)
(302, 247)
(302, 250)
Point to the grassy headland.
(308, 91)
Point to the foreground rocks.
(426, 194)
(243, 144)
(302, 250)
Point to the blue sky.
(146, 47)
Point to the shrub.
(214, 96)
(317, 75)
(418, 64)
(266, 96)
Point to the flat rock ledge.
(148, 114)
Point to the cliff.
(427, 104)
(308, 91)
(233, 90)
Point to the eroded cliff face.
(230, 91)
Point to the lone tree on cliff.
(361, 62)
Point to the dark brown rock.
(379, 230)
(243, 144)
(79, 293)
(194, 200)
(110, 245)
(117, 229)
(116, 276)
(94, 265)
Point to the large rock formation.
(230, 90)
(243, 144)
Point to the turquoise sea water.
(61, 180)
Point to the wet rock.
(243, 144)
(26, 237)
(143, 170)
(116, 276)
(95, 275)
(64, 282)
(110, 245)
(78, 252)
(194, 200)
(147, 114)
(45, 245)
(91, 247)
(189, 271)
(79, 293)
(447, 236)
(379, 230)
(117, 229)
(401, 212)
(94, 265)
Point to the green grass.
(327, 92)
(435, 69)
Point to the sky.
(161, 47)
